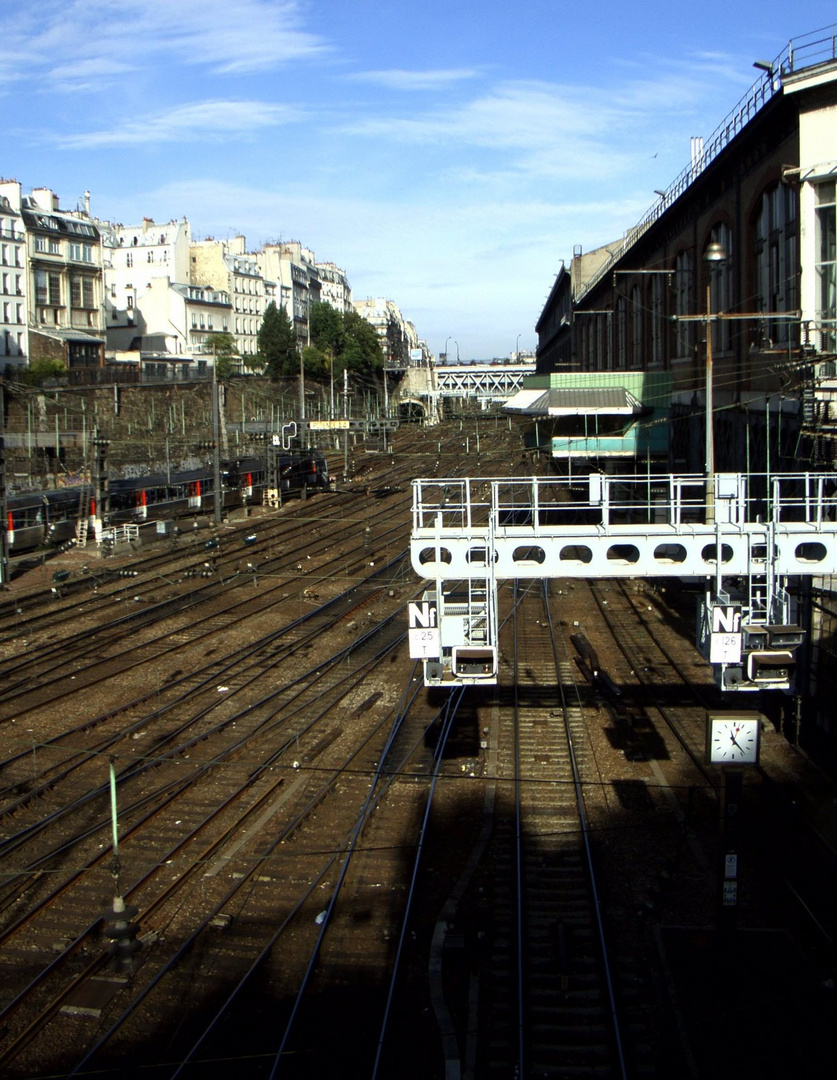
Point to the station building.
(721, 302)
(742, 242)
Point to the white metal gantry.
(746, 533)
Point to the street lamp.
(445, 354)
(517, 350)
(456, 343)
(713, 256)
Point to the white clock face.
(734, 740)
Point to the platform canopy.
(575, 401)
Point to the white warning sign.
(425, 642)
(725, 639)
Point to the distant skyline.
(447, 155)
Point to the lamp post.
(713, 256)
(517, 350)
(445, 354)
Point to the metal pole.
(216, 449)
(710, 433)
(713, 255)
(114, 826)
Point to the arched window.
(637, 357)
(684, 304)
(776, 263)
(658, 336)
(621, 331)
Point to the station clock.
(732, 738)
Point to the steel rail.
(450, 711)
(264, 768)
(151, 615)
(214, 673)
(587, 843)
(171, 790)
(333, 857)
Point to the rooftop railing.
(810, 50)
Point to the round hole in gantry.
(811, 551)
(709, 553)
(431, 554)
(626, 553)
(529, 554)
(576, 553)
(478, 556)
(670, 553)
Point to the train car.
(157, 497)
(51, 517)
(306, 469)
(41, 517)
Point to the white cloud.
(204, 120)
(244, 36)
(91, 74)
(543, 130)
(399, 79)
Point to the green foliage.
(363, 350)
(223, 344)
(346, 340)
(253, 363)
(317, 363)
(326, 328)
(277, 343)
(225, 366)
(225, 352)
(39, 371)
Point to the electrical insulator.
(122, 932)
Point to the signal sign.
(725, 639)
(425, 640)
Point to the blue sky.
(448, 155)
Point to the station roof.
(575, 401)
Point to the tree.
(345, 339)
(363, 350)
(225, 352)
(326, 328)
(277, 343)
(317, 362)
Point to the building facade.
(51, 274)
(134, 257)
(395, 336)
(727, 287)
(14, 331)
(227, 267)
(335, 288)
(294, 272)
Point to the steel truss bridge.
(486, 382)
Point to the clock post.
(732, 743)
(733, 781)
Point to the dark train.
(50, 518)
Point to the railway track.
(250, 733)
(549, 1003)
